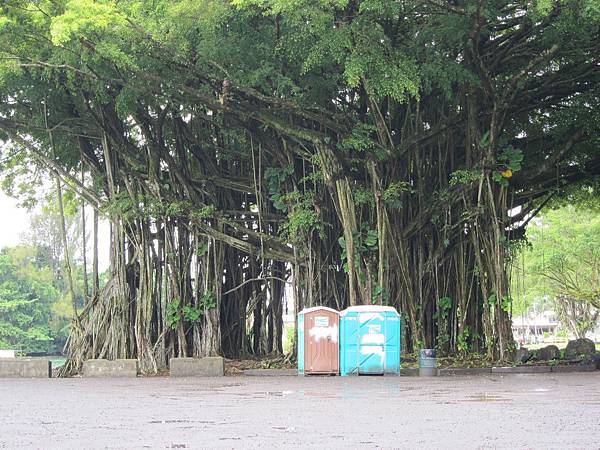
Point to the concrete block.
(409, 372)
(271, 372)
(197, 367)
(104, 368)
(25, 368)
(522, 369)
(453, 371)
(574, 368)
(428, 371)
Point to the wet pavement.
(514, 411)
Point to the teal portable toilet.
(369, 340)
(318, 341)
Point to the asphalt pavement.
(544, 411)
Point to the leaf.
(371, 239)
(192, 314)
(202, 249)
(485, 140)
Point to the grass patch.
(288, 338)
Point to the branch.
(52, 165)
(246, 246)
(447, 7)
(255, 279)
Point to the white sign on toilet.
(7, 353)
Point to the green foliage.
(191, 314)
(28, 321)
(85, 16)
(148, 207)
(393, 193)
(177, 312)
(302, 219)
(207, 301)
(511, 158)
(276, 179)
(444, 305)
(365, 241)
(205, 212)
(288, 341)
(202, 249)
(361, 140)
(462, 344)
(463, 177)
(562, 261)
(364, 196)
(562, 333)
(379, 294)
(302, 216)
(509, 161)
(173, 313)
(505, 301)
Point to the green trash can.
(427, 363)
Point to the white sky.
(14, 222)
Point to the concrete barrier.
(522, 369)
(25, 368)
(409, 372)
(453, 371)
(575, 368)
(104, 368)
(197, 367)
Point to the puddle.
(319, 394)
(262, 394)
(182, 421)
(541, 390)
(487, 398)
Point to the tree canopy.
(31, 319)
(561, 268)
(365, 151)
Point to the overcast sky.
(14, 222)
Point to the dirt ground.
(516, 411)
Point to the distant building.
(533, 328)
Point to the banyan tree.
(331, 153)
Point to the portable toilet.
(318, 341)
(369, 340)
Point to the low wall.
(522, 369)
(104, 368)
(197, 367)
(25, 368)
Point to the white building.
(533, 328)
